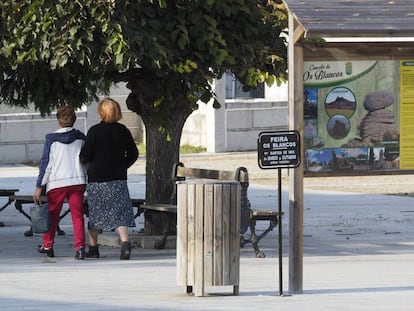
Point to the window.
(234, 89)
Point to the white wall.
(129, 118)
(237, 124)
(22, 135)
(233, 127)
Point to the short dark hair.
(66, 116)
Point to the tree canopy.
(57, 51)
(54, 52)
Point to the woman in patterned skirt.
(109, 151)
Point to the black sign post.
(279, 150)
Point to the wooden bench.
(22, 200)
(249, 216)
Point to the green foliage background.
(69, 51)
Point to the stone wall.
(22, 135)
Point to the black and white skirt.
(109, 205)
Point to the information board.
(279, 149)
(358, 116)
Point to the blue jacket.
(60, 165)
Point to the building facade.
(233, 127)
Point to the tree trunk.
(162, 154)
(162, 144)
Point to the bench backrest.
(181, 172)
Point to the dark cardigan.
(109, 151)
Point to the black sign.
(278, 149)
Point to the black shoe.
(80, 253)
(125, 250)
(48, 251)
(93, 252)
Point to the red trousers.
(55, 199)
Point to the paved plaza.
(358, 255)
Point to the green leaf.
(119, 59)
(162, 3)
(221, 56)
(74, 30)
(59, 10)
(46, 25)
(53, 63)
(62, 61)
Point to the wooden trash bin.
(208, 234)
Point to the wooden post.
(296, 177)
(208, 234)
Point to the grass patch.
(183, 149)
(192, 149)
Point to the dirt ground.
(378, 184)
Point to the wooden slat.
(199, 173)
(235, 210)
(199, 241)
(208, 234)
(218, 234)
(8, 192)
(191, 234)
(225, 201)
(182, 235)
(169, 208)
(204, 173)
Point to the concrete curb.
(138, 240)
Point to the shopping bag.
(39, 213)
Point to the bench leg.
(169, 222)
(5, 205)
(19, 207)
(58, 230)
(254, 239)
(137, 203)
(161, 244)
(29, 232)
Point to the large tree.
(167, 51)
